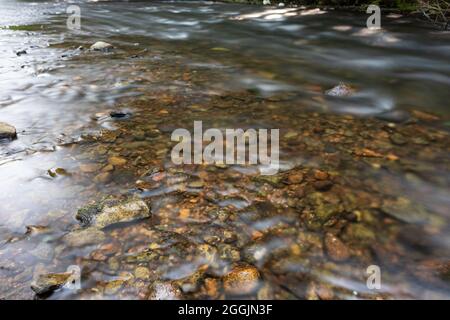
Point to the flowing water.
(364, 179)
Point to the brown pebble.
(323, 185)
(335, 248)
(241, 280)
(108, 168)
(117, 161)
(295, 178)
(103, 177)
(32, 230)
(211, 287)
(324, 292)
(89, 167)
(424, 116)
(320, 175)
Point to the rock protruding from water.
(341, 90)
(102, 46)
(7, 131)
(110, 212)
(46, 283)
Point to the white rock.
(266, 2)
(101, 46)
(7, 131)
(281, 5)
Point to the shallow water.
(230, 66)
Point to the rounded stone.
(117, 161)
(241, 280)
(335, 248)
(7, 131)
(101, 46)
(142, 273)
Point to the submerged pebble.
(241, 280)
(396, 116)
(84, 237)
(335, 248)
(117, 161)
(35, 229)
(109, 212)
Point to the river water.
(369, 171)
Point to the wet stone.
(142, 273)
(120, 114)
(295, 178)
(90, 167)
(35, 229)
(102, 46)
(7, 131)
(110, 212)
(396, 116)
(242, 280)
(113, 286)
(320, 175)
(103, 177)
(84, 237)
(160, 290)
(398, 139)
(117, 161)
(335, 248)
(341, 90)
(323, 185)
(21, 52)
(405, 210)
(46, 283)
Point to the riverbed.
(363, 180)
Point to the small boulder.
(102, 46)
(7, 131)
(46, 283)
